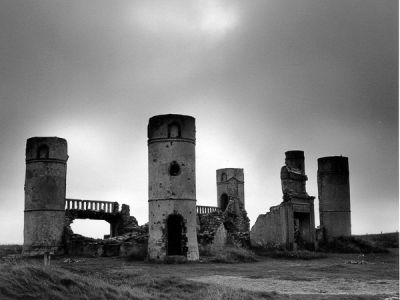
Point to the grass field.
(338, 276)
(283, 276)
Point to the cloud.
(213, 18)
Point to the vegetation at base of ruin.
(139, 255)
(298, 254)
(9, 249)
(351, 244)
(383, 240)
(231, 255)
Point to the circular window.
(174, 169)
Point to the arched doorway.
(224, 200)
(175, 228)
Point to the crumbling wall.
(131, 240)
(219, 228)
(126, 222)
(208, 227)
(132, 244)
(291, 224)
(267, 231)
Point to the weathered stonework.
(132, 244)
(334, 196)
(290, 225)
(230, 186)
(45, 184)
(219, 228)
(172, 188)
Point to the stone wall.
(267, 231)
(132, 244)
(219, 228)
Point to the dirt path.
(322, 286)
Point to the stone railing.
(202, 210)
(105, 206)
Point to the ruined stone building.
(334, 196)
(172, 187)
(177, 226)
(48, 213)
(290, 225)
(230, 187)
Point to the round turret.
(334, 196)
(45, 186)
(172, 187)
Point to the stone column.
(45, 184)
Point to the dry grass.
(351, 244)
(299, 254)
(383, 240)
(27, 281)
(232, 255)
(33, 281)
(117, 278)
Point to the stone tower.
(230, 186)
(45, 183)
(172, 188)
(334, 196)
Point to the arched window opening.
(43, 152)
(176, 237)
(224, 200)
(223, 177)
(174, 130)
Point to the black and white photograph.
(199, 149)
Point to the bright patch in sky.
(212, 17)
(217, 17)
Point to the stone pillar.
(172, 188)
(45, 184)
(230, 185)
(293, 177)
(334, 196)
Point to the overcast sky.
(260, 77)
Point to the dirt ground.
(357, 276)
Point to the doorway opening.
(176, 242)
(224, 200)
(302, 228)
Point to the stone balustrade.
(93, 205)
(202, 210)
